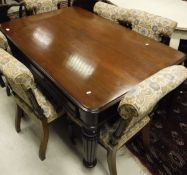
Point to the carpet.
(167, 154)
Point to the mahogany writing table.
(93, 62)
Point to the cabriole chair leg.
(111, 159)
(44, 140)
(19, 114)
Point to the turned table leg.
(90, 138)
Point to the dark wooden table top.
(92, 60)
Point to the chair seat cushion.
(141, 99)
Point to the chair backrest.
(141, 99)
(21, 81)
(37, 7)
(110, 12)
(153, 26)
(19, 77)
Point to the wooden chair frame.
(40, 115)
(4, 11)
(113, 147)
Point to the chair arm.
(140, 100)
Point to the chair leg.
(44, 140)
(111, 159)
(2, 83)
(21, 11)
(146, 135)
(69, 3)
(19, 114)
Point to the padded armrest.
(140, 100)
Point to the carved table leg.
(90, 137)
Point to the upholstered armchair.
(4, 16)
(28, 97)
(33, 7)
(135, 109)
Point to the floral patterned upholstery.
(150, 25)
(21, 79)
(140, 100)
(110, 12)
(147, 24)
(3, 42)
(4, 58)
(40, 6)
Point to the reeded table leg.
(90, 137)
